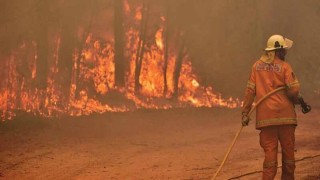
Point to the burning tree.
(64, 64)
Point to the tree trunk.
(177, 70)
(79, 83)
(2, 73)
(66, 51)
(42, 49)
(141, 44)
(3, 52)
(119, 43)
(9, 88)
(166, 52)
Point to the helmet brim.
(271, 49)
(287, 45)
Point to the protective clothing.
(275, 116)
(278, 109)
(277, 42)
(267, 56)
(269, 137)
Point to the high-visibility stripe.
(251, 85)
(275, 121)
(295, 83)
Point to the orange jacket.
(278, 109)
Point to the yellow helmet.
(278, 42)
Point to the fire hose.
(305, 109)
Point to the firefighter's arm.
(248, 98)
(293, 85)
(293, 90)
(248, 101)
(247, 105)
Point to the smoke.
(223, 38)
(226, 37)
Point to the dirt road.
(186, 144)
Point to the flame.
(138, 16)
(97, 74)
(127, 8)
(159, 39)
(195, 83)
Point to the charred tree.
(65, 62)
(2, 73)
(79, 83)
(42, 46)
(9, 88)
(177, 69)
(5, 51)
(7, 37)
(166, 52)
(24, 74)
(119, 43)
(67, 45)
(141, 44)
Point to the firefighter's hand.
(245, 120)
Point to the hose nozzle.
(305, 107)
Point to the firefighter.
(275, 117)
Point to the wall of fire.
(79, 57)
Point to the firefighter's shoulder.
(286, 65)
(256, 63)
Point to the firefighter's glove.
(245, 119)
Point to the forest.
(78, 57)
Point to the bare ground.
(186, 144)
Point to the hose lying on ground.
(255, 172)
